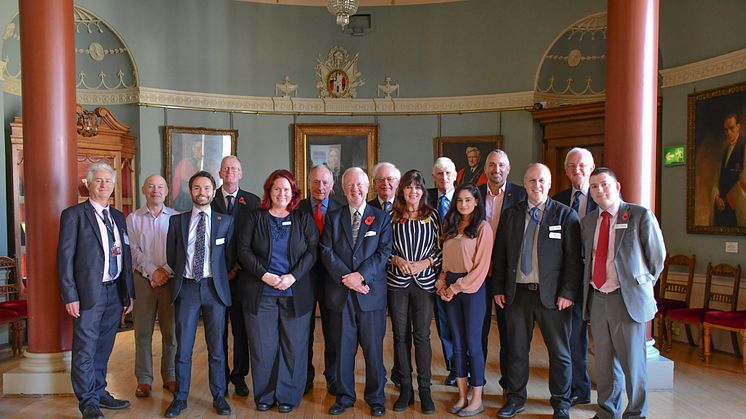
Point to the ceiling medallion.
(338, 75)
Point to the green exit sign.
(674, 156)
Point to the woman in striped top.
(411, 273)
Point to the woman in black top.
(411, 274)
(277, 248)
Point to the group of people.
(445, 252)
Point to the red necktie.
(602, 251)
(319, 217)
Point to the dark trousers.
(411, 311)
(93, 339)
(195, 298)
(581, 381)
(444, 333)
(521, 314)
(279, 350)
(240, 343)
(502, 331)
(330, 355)
(466, 319)
(366, 328)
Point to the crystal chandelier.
(342, 9)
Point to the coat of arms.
(338, 74)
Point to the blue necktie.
(576, 201)
(113, 266)
(198, 268)
(527, 250)
(230, 204)
(387, 206)
(443, 207)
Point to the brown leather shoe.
(143, 390)
(170, 386)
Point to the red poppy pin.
(369, 220)
(625, 216)
(241, 201)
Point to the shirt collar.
(98, 208)
(361, 210)
(541, 206)
(382, 202)
(165, 211)
(501, 190)
(613, 210)
(324, 203)
(448, 194)
(195, 212)
(226, 194)
(583, 190)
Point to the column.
(48, 83)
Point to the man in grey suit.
(624, 254)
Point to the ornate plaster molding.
(705, 69)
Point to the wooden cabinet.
(101, 138)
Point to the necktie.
(527, 249)
(198, 268)
(602, 252)
(318, 216)
(113, 266)
(387, 206)
(443, 206)
(576, 201)
(230, 204)
(355, 226)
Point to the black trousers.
(581, 381)
(525, 310)
(330, 355)
(240, 343)
(502, 331)
(411, 311)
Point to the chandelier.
(342, 9)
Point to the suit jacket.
(245, 203)
(221, 255)
(368, 256)
(639, 254)
(560, 262)
(80, 256)
(565, 197)
(513, 195)
(318, 273)
(255, 253)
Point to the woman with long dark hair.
(277, 247)
(411, 274)
(467, 249)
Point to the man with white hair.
(355, 247)
(473, 172)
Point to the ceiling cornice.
(363, 3)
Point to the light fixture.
(342, 9)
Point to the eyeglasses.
(389, 179)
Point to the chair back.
(680, 263)
(11, 291)
(729, 274)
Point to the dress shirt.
(324, 205)
(361, 210)
(383, 203)
(193, 222)
(583, 205)
(105, 239)
(226, 195)
(448, 194)
(532, 277)
(147, 235)
(612, 280)
(493, 205)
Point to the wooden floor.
(717, 391)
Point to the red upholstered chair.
(12, 319)
(676, 263)
(10, 300)
(730, 277)
(733, 321)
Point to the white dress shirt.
(105, 239)
(193, 222)
(148, 240)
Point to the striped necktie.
(355, 226)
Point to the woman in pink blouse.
(467, 249)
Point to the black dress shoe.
(92, 412)
(242, 389)
(107, 401)
(574, 400)
(426, 400)
(406, 399)
(175, 408)
(263, 407)
(221, 406)
(561, 414)
(377, 410)
(337, 409)
(450, 380)
(510, 409)
(285, 408)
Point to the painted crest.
(338, 74)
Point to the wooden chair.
(695, 316)
(732, 321)
(664, 303)
(11, 302)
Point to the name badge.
(620, 226)
(555, 236)
(555, 228)
(286, 223)
(220, 241)
(126, 239)
(370, 233)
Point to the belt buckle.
(533, 286)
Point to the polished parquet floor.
(715, 391)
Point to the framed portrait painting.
(189, 150)
(716, 179)
(339, 146)
(468, 154)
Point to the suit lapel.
(623, 208)
(185, 220)
(90, 214)
(347, 225)
(220, 200)
(363, 227)
(214, 226)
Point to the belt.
(110, 283)
(616, 291)
(197, 280)
(533, 286)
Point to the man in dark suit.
(319, 204)
(199, 250)
(497, 196)
(440, 198)
(578, 167)
(355, 248)
(731, 167)
(95, 276)
(624, 254)
(232, 200)
(536, 270)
